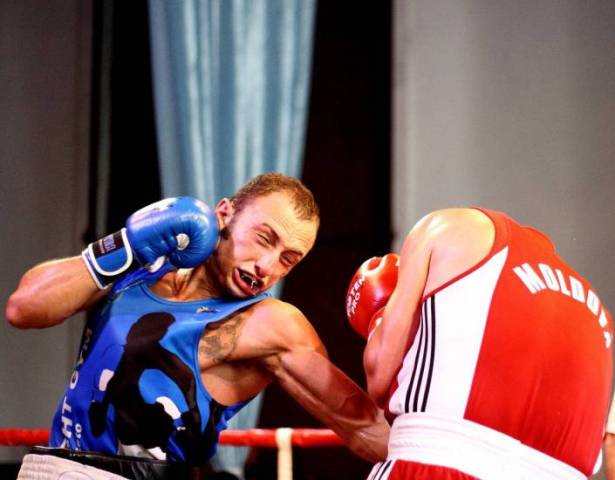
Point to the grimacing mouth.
(249, 279)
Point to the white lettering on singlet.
(549, 277)
(530, 278)
(593, 302)
(67, 423)
(576, 287)
(554, 280)
(562, 282)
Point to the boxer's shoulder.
(454, 240)
(279, 324)
(275, 313)
(461, 227)
(261, 331)
(449, 228)
(275, 307)
(449, 220)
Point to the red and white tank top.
(520, 343)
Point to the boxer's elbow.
(21, 314)
(14, 312)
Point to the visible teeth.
(248, 279)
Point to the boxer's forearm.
(371, 442)
(328, 394)
(51, 292)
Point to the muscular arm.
(328, 394)
(51, 292)
(296, 358)
(442, 245)
(386, 347)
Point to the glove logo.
(108, 244)
(353, 297)
(206, 310)
(369, 292)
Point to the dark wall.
(134, 152)
(347, 165)
(122, 116)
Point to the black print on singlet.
(138, 422)
(419, 391)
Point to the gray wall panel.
(510, 105)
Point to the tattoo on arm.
(220, 338)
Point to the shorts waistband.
(473, 449)
(132, 468)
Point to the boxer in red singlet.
(491, 356)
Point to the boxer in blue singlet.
(184, 334)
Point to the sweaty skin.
(240, 355)
(442, 245)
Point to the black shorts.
(133, 468)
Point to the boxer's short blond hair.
(303, 200)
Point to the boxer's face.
(260, 245)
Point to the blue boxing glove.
(183, 229)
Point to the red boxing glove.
(369, 291)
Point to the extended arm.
(328, 394)
(299, 363)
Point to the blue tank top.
(136, 384)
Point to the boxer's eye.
(263, 239)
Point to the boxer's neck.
(185, 285)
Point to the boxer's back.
(521, 344)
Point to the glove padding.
(184, 229)
(369, 291)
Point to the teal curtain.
(231, 82)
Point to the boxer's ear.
(224, 211)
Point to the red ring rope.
(15, 437)
(256, 437)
